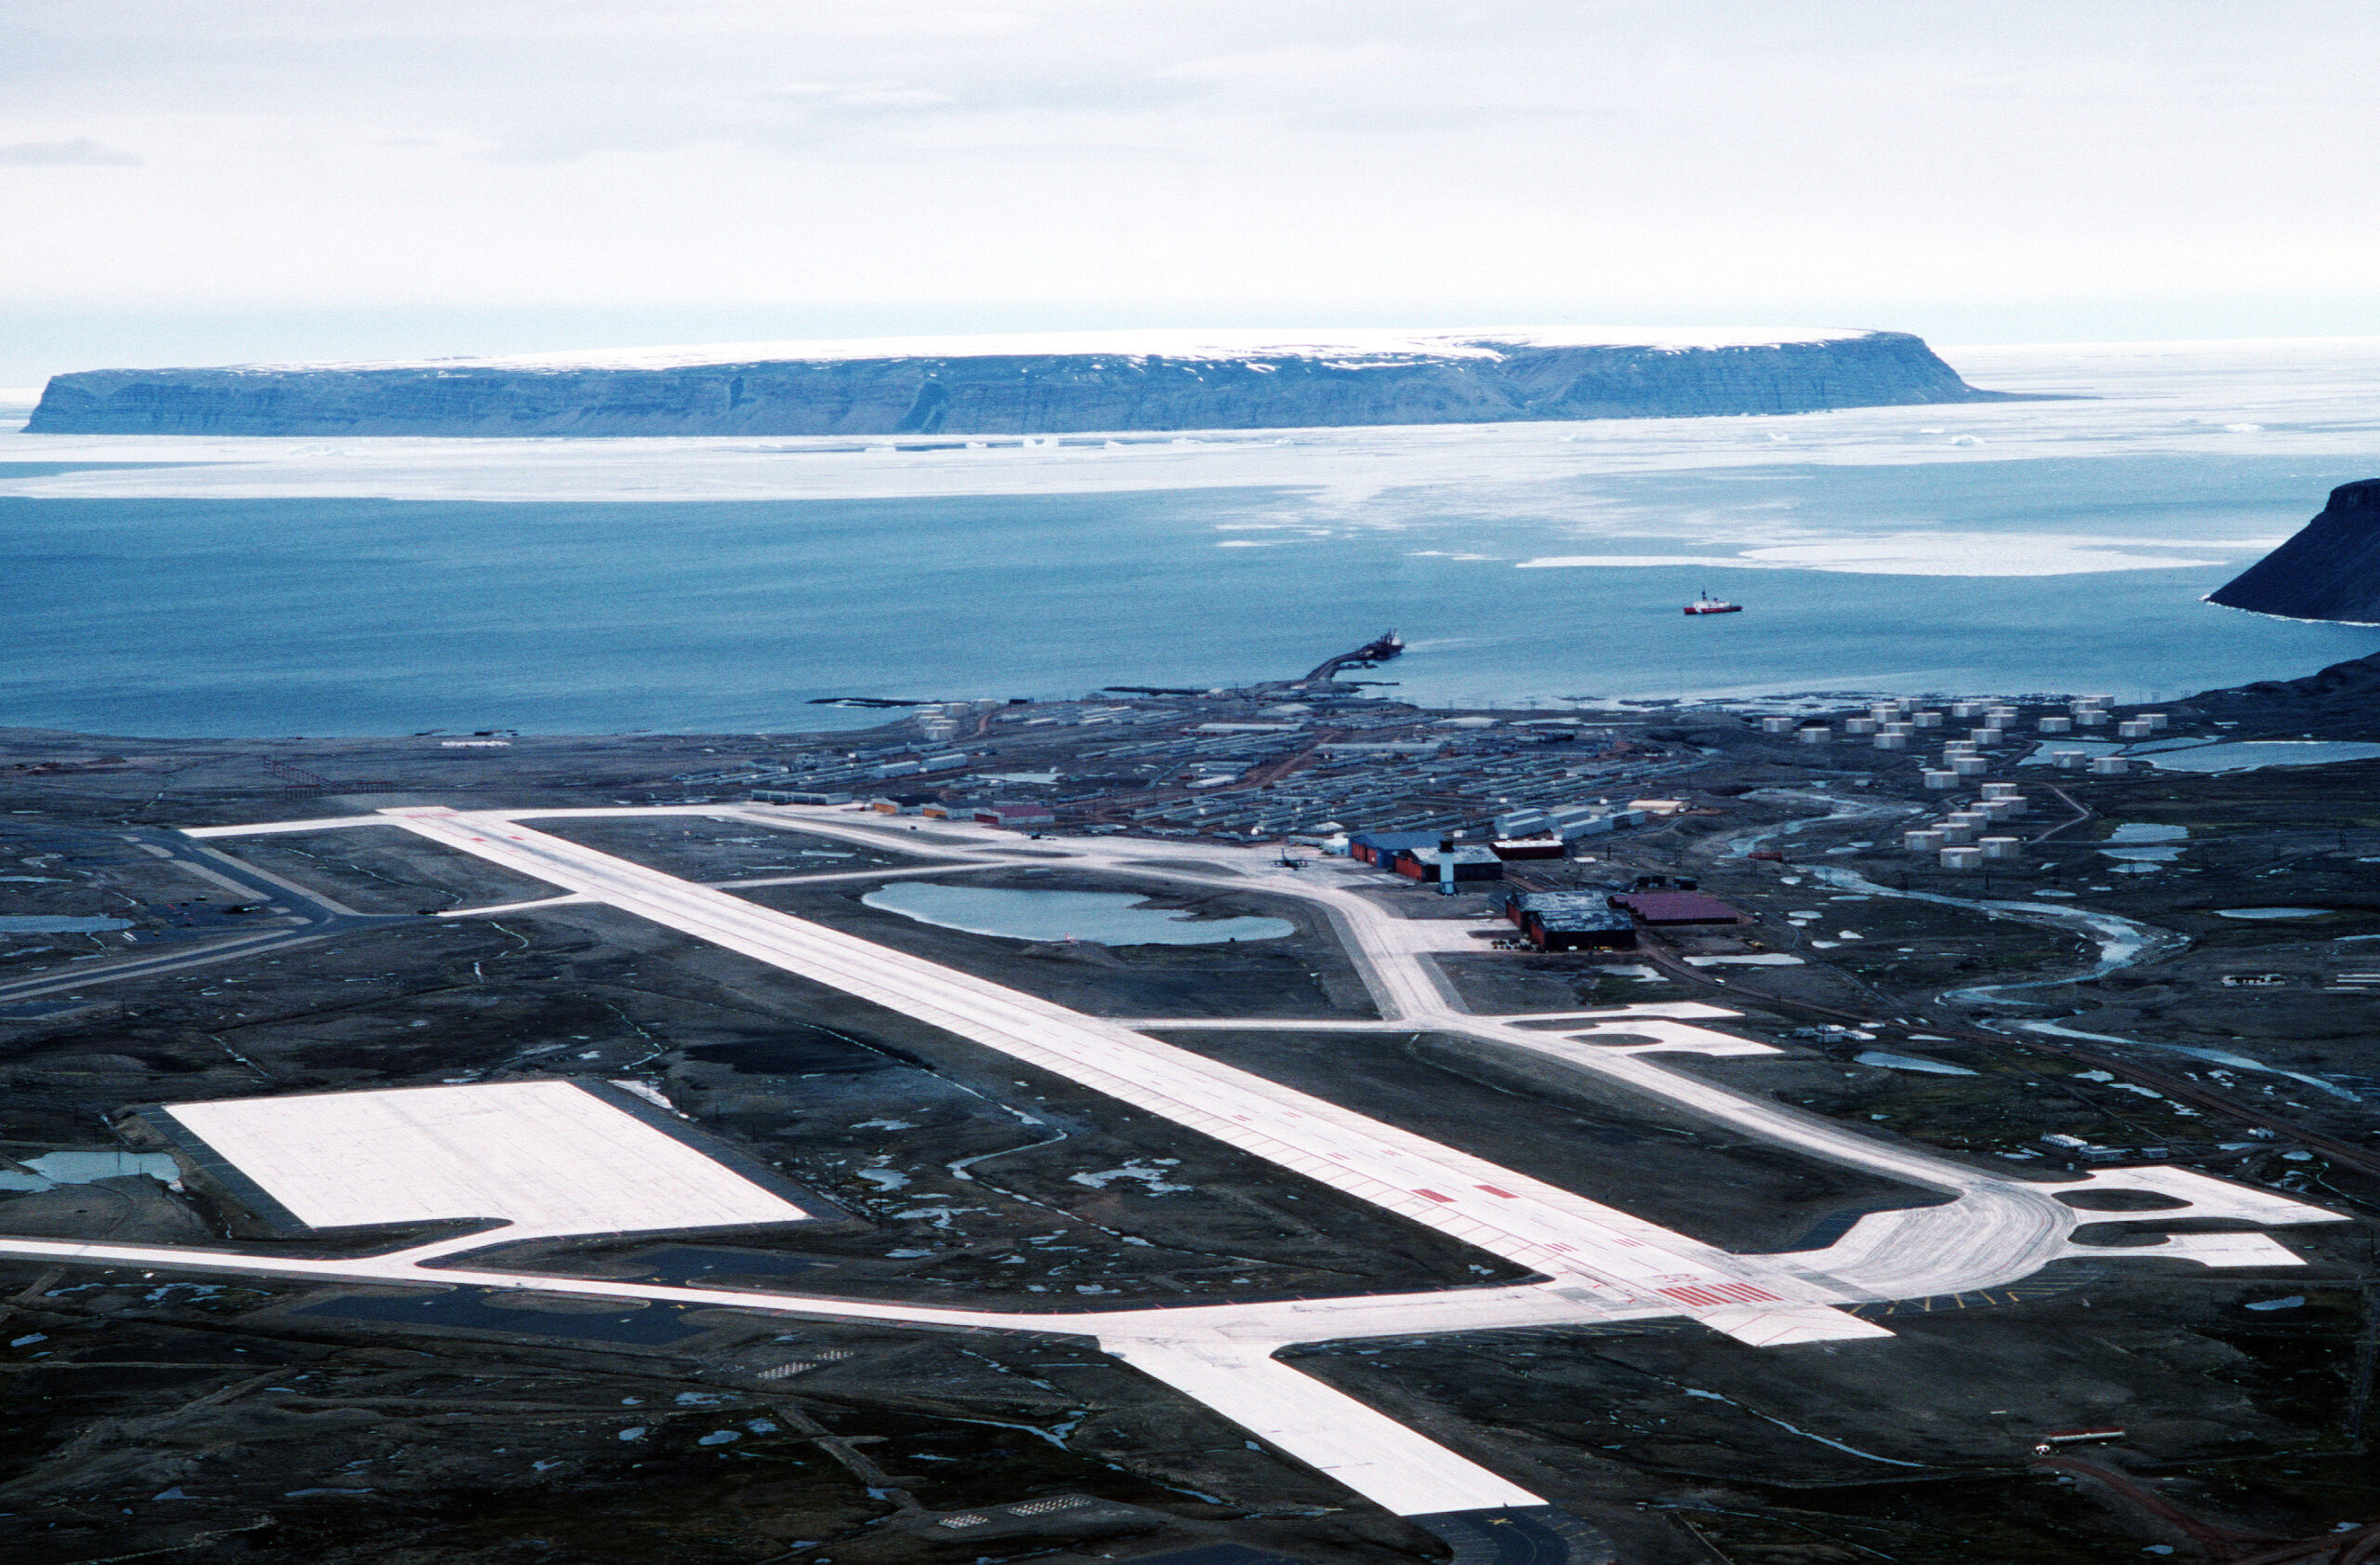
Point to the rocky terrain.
(2331, 570)
(1109, 381)
(2339, 702)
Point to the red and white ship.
(1709, 604)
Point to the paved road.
(1601, 1262)
(1994, 1231)
(300, 914)
(1611, 1257)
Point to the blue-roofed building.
(1382, 847)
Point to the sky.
(323, 178)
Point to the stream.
(2122, 942)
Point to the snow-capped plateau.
(1040, 383)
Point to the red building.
(1661, 908)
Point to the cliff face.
(2331, 570)
(1019, 386)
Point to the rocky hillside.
(2331, 570)
(1099, 381)
(2339, 702)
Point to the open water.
(1105, 917)
(221, 587)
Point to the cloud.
(82, 152)
(863, 95)
(1345, 162)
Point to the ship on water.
(1709, 604)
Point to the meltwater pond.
(53, 1169)
(57, 923)
(2254, 754)
(1107, 918)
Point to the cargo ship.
(1709, 604)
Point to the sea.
(202, 586)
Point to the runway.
(1601, 1262)
(1609, 1256)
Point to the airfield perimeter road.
(1602, 1264)
(294, 915)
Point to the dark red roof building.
(1658, 907)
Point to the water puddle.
(1908, 1062)
(2250, 754)
(2270, 912)
(57, 923)
(53, 1169)
(2044, 753)
(2213, 1056)
(1105, 917)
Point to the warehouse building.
(1382, 847)
(1017, 817)
(1570, 921)
(1469, 863)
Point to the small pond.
(2044, 753)
(57, 923)
(53, 1169)
(1106, 918)
(2248, 755)
(1891, 1061)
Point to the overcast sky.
(197, 183)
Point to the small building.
(1027, 817)
(1661, 909)
(1570, 921)
(1510, 848)
(1382, 847)
(901, 804)
(1470, 863)
(797, 796)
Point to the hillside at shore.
(2330, 570)
(2339, 702)
(1115, 381)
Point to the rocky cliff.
(1103, 381)
(2331, 570)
